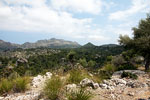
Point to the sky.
(96, 21)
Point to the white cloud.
(136, 7)
(37, 16)
(87, 6)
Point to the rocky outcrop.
(88, 82)
(39, 80)
(35, 91)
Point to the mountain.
(50, 43)
(88, 45)
(7, 45)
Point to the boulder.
(71, 87)
(88, 82)
(39, 80)
(103, 86)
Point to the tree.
(83, 62)
(91, 64)
(140, 42)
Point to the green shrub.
(5, 86)
(109, 68)
(80, 94)
(91, 64)
(75, 76)
(127, 67)
(13, 75)
(129, 75)
(53, 88)
(21, 84)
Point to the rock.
(103, 86)
(1, 98)
(39, 80)
(95, 85)
(138, 85)
(119, 81)
(137, 72)
(88, 82)
(49, 75)
(71, 87)
(110, 87)
(131, 94)
(31, 95)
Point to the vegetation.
(53, 88)
(140, 41)
(75, 76)
(129, 75)
(21, 84)
(80, 94)
(5, 86)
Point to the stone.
(95, 85)
(131, 94)
(110, 87)
(71, 87)
(39, 80)
(86, 82)
(103, 86)
(119, 81)
(138, 85)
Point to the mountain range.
(50, 43)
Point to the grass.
(21, 84)
(76, 75)
(5, 86)
(53, 88)
(80, 94)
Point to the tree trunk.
(147, 64)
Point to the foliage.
(53, 88)
(5, 86)
(129, 75)
(109, 67)
(13, 75)
(140, 41)
(80, 94)
(91, 64)
(83, 62)
(21, 84)
(75, 76)
(126, 67)
(71, 56)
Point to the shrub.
(129, 75)
(91, 64)
(21, 84)
(83, 62)
(75, 76)
(5, 86)
(127, 67)
(109, 68)
(80, 94)
(53, 88)
(13, 75)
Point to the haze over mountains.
(50, 43)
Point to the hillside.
(50, 43)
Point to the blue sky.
(96, 21)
